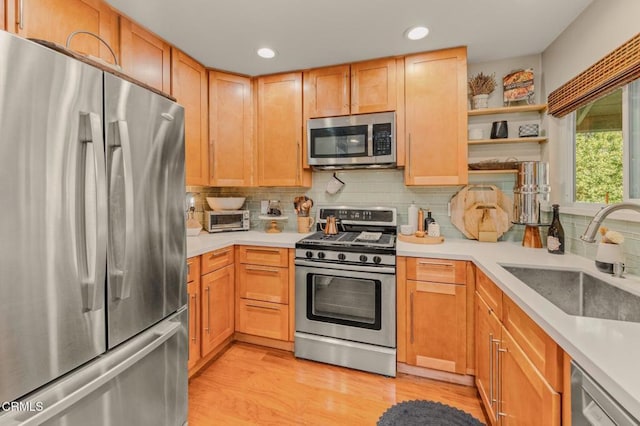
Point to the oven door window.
(354, 302)
(222, 221)
(339, 142)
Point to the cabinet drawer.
(217, 259)
(437, 270)
(489, 292)
(264, 319)
(543, 352)
(267, 283)
(193, 268)
(267, 256)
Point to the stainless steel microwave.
(226, 220)
(355, 141)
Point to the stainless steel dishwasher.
(592, 405)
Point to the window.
(606, 148)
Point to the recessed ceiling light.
(417, 33)
(266, 53)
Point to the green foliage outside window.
(599, 166)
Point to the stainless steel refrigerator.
(92, 245)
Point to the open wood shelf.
(508, 110)
(507, 140)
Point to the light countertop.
(608, 350)
(206, 242)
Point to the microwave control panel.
(382, 134)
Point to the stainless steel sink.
(580, 294)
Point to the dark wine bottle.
(555, 237)
(428, 220)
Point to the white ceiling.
(225, 34)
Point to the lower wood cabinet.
(513, 390)
(264, 319)
(211, 293)
(437, 326)
(263, 292)
(217, 307)
(432, 314)
(193, 293)
(524, 396)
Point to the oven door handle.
(323, 266)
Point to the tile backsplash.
(362, 188)
(386, 188)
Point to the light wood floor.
(252, 385)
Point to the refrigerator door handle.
(163, 333)
(121, 158)
(94, 272)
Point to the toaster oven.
(226, 220)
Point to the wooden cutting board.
(421, 240)
(466, 216)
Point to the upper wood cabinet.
(55, 20)
(2, 16)
(373, 86)
(326, 91)
(144, 56)
(362, 87)
(280, 131)
(230, 130)
(189, 87)
(436, 111)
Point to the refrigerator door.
(53, 209)
(142, 382)
(145, 173)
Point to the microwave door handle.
(370, 141)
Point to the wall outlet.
(264, 206)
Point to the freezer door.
(145, 174)
(142, 382)
(53, 216)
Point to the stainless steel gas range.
(346, 290)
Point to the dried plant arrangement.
(482, 84)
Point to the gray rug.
(426, 413)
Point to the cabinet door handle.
(271, 308)
(21, 14)
(194, 298)
(409, 155)
(219, 253)
(491, 400)
(298, 161)
(262, 269)
(211, 168)
(436, 264)
(264, 250)
(208, 308)
(499, 350)
(411, 313)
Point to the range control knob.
(377, 259)
(363, 258)
(309, 254)
(341, 256)
(320, 255)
